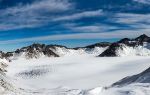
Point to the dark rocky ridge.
(111, 51)
(101, 44)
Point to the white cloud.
(143, 1)
(92, 28)
(132, 21)
(80, 15)
(88, 28)
(104, 35)
(40, 6)
(129, 18)
(4, 27)
(32, 15)
(122, 21)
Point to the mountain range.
(45, 71)
(139, 46)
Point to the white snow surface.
(74, 74)
(132, 89)
(134, 51)
(61, 51)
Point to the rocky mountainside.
(6, 87)
(138, 46)
(37, 50)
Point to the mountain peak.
(125, 41)
(143, 38)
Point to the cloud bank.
(71, 21)
(104, 35)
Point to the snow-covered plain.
(75, 71)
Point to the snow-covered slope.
(133, 85)
(132, 89)
(143, 77)
(139, 46)
(57, 70)
(133, 51)
(75, 75)
(6, 85)
(41, 50)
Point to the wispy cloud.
(143, 1)
(94, 27)
(129, 18)
(80, 15)
(136, 21)
(43, 12)
(40, 6)
(31, 15)
(104, 35)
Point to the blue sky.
(71, 22)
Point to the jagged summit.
(125, 41)
(100, 44)
(36, 50)
(111, 51)
(143, 38)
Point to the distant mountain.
(36, 50)
(143, 77)
(139, 46)
(102, 44)
(126, 47)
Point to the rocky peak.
(34, 46)
(49, 52)
(125, 41)
(54, 46)
(36, 50)
(2, 54)
(143, 38)
(111, 51)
